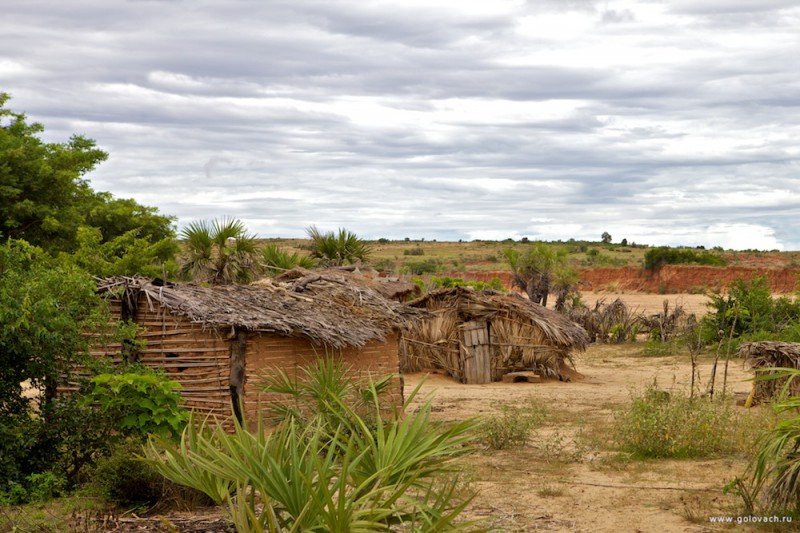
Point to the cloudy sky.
(673, 122)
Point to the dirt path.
(563, 480)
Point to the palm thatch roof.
(764, 355)
(325, 310)
(390, 287)
(487, 304)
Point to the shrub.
(655, 258)
(774, 482)
(511, 426)
(141, 403)
(750, 311)
(127, 480)
(414, 251)
(420, 268)
(660, 424)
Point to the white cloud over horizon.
(663, 122)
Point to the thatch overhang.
(389, 287)
(326, 311)
(764, 355)
(487, 304)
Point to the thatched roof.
(771, 354)
(488, 304)
(390, 287)
(767, 353)
(324, 310)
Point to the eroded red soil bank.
(669, 279)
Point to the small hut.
(215, 339)
(480, 336)
(764, 355)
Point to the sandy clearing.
(558, 483)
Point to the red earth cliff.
(669, 279)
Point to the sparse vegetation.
(511, 426)
(660, 424)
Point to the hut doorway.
(475, 352)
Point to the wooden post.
(477, 356)
(238, 375)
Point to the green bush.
(655, 258)
(660, 424)
(141, 402)
(126, 480)
(751, 312)
(420, 268)
(511, 426)
(414, 251)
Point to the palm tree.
(276, 260)
(219, 252)
(336, 249)
(533, 270)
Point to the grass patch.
(549, 491)
(657, 348)
(659, 424)
(511, 426)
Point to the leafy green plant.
(510, 426)
(659, 424)
(774, 481)
(355, 475)
(142, 403)
(335, 249)
(276, 260)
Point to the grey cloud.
(290, 113)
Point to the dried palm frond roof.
(323, 310)
(487, 304)
(771, 353)
(390, 287)
(763, 355)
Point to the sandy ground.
(563, 480)
(651, 303)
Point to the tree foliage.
(46, 200)
(534, 269)
(46, 307)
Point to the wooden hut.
(764, 355)
(480, 336)
(215, 340)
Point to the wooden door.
(476, 354)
